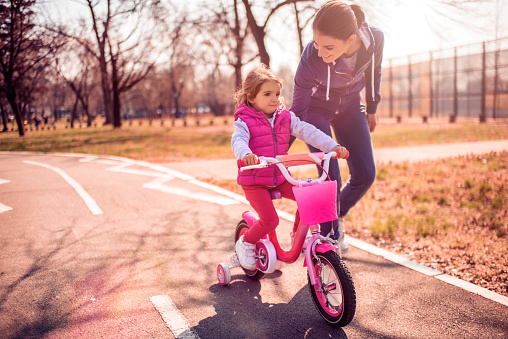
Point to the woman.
(343, 59)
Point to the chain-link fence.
(465, 81)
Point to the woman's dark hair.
(338, 20)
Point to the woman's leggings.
(261, 201)
(349, 123)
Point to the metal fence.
(465, 81)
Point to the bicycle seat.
(275, 194)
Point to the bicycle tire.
(337, 301)
(241, 229)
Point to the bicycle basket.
(317, 203)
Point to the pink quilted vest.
(265, 141)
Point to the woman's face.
(329, 48)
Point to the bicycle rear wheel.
(334, 295)
(241, 229)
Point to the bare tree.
(24, 52)
(124, 47)
(231, 30)
(79, 77)
(260, 30)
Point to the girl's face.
(267, 99)
(329, 48)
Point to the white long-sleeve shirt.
(300, 129)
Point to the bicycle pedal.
(233, 261)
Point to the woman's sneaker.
(342, 241)
(246, 254)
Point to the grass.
(175, 142)
(449, 214)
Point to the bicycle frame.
(315, 244)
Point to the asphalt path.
(102, 247)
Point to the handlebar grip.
(240, 163)
(337, 155)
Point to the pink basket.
(317, 203)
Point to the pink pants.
(260, 199)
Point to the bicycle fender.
(322, 248)
(250, 217)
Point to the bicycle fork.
(316, 246)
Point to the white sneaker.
(305, 243)
(342, 241)
(246, 254)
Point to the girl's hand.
(250, 159)
(342, 152)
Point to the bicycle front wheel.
(334, 295)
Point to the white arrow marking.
(89, 201)
(162, 178)
(158, 184)
(4, 208)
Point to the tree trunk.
(117, 121)
(4, 118)
(259, 34)
(238, 50)
(106, 90)
(11, 97)
(73, 113)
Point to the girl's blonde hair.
(252, 84)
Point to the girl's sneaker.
(246, 254)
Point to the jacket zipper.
(275, 149)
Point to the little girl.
(263, 127)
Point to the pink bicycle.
(329, 280)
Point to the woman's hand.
(372, 120)
(250, 159)
(342, 152)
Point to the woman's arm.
(311, 135)
(373, 73)
(304, 83)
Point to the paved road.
(89, 244)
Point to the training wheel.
(223, 274)
(267, 256)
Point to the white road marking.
(89, 201)
(429, 271)
(158, 184)
(473, 288)
(4, 208)
(175, 320)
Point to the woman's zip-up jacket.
(330, 81)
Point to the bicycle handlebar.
(304, 158)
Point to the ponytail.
(359, 14)
(338, 20)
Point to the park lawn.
(166, 142)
